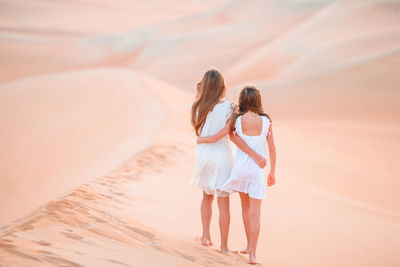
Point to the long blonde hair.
(249, 100)
(212, 89)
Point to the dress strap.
(266, 124)
(229, 110)
(238, 125)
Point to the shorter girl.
(254, 127)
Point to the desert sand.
(97, 151)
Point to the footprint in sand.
(118, 262)
(72, 235)
(43, 243)
(174, 252)
(141, 232)
(61, 262)
(12, 250)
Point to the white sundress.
(246, 176)
(214, 160)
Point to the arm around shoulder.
(214, 138)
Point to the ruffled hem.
(211, 190)
(203, 183)
(211, 179)
(254, 189)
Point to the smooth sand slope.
(62, 130)
(46, 36)
(97, 150)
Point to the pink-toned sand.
(97, 151)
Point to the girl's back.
(246, 176)
(251, 124)
(253, 129)
(216, 119)
(214, 160)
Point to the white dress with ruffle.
(246, 176)
(214, 160)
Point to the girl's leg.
(206, 212)
(255, 210)
(244, 198)
(224, 221)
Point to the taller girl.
(209, 115)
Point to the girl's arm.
(214, 138)
(272, 157)
(258, 159)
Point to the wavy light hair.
(212, 89)
(249, 100)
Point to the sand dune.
(61, 130)
(98, 218)
(353, 125)
(85, 16)
(48, 37)
(97, 150)
(341, 34)
(306, 40)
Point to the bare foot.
(253, 260)
(206, 241)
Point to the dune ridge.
(62, 134)
(93, 217)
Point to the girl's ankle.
(206, 236)
(224, 246)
